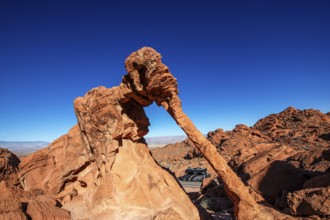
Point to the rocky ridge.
(284, 158)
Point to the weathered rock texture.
(284, 157)
(309, 202)
(10, 204)
(152, 80)
(102, 168)
(179, 156)
(289, 171)
(300, 129)
(18, 204)
(8, 165)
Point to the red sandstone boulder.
(10, 204)
(43, 207)
(18, 204)
(307, 202)
(300, 129)
(218, 136)
(322, 180)
(8, 166)
(102, 168)
(281, 154)
(50, 169)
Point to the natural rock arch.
(153, 81)
(102, 168)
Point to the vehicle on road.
(195, 174)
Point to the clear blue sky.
(235, 61)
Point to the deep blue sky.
(235, 61)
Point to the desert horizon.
(180, 155)
(27, 147)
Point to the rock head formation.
(102, 169)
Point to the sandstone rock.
(279, 177)
(214, 197)
(308, 202)
(51, 169)
(277, 155)
(141, 189)
(322, 180)
(217, 137)
(18, 204)
(102, 168)
(249, 152)
(266, 160)
(152, 79)
(315, 159)
(305, 129)
(8, 165)
(42, 207)
(180, 156)
(10, 204)
(174, 152)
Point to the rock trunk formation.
(284, 157)
(153, 80)
(245, 205)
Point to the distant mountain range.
(26, 147)
(23, 147)
(164, 140)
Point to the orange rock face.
(153, 80)
(110, 173)
(18, 204)
(10, 204)
(290, 171)
(8, 167)
(309, 202)
(102, 168)
(284, 157)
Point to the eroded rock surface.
(300, 129)
(281, 155)
(102, 168)
(273, 164)
(10, 204)
(8, 165)
(153, 80)
(309, 202)
(15, 203)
